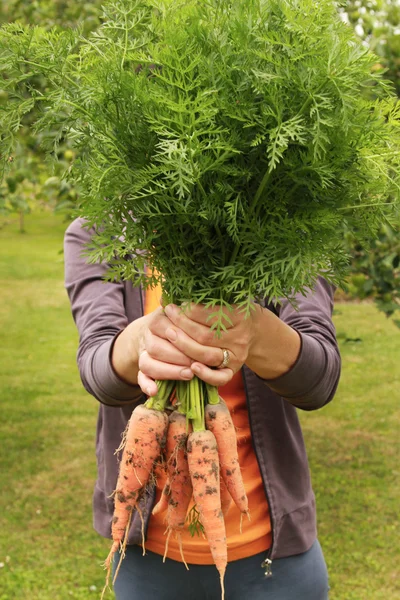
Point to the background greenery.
(375, 271)
(48, 549)
(33, 182)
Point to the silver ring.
(225, 360)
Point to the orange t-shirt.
(256, 534)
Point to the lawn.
(48, 549)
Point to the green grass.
(47, 462)
(354, 451)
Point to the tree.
(48, 13)
(375, 270)
(377, 22)
(31, 181)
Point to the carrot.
(204, 472)
(219, 421)
(178, 476)
(143, 440)
(162, 504)
(226, 498)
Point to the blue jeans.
(300, 577)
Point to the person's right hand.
(142, 353)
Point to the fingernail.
(169, 309)
(148, 391)
(171, 335)
(187, 373)
(196, 368)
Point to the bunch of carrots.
(188, 428)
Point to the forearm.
(313, 379)
(275, 346)
(99, 312)
(100, 378)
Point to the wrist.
(275, 346)
(125, 353)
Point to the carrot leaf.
(225, 143)
(194, 524)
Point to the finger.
(215, 377)
(159, 322)
(231, 314)
(159, 325)
(197, 331)
(209, 315)
(161, 349)
(147, 385)
(156, 369)
(208, 355)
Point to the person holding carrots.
(266, 366)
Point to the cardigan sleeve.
(313, 379)
(99, 313)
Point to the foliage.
(376, 271)
(377, 22)
(228, 143)
(194, 523)
(48, 13)
(28, 185)
(34, 190)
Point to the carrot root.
(123, 548)
(162, 504)
(219, 421)
(241, 519)
(203, 460)
(221, 579)
(143, 536)
(179, 481)
(141, 447)
(107, 565)
(166, 544)
(181, 549)
(179, 538)
(226, 498)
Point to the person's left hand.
(193, 336)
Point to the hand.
(263, 342)
(192, 335)
(176, 344)
(142, 354)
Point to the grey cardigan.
(101, 310)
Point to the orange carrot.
(219, 421)
(143, 440)
(226, 498)
(204, 472)
(162, 504)
(178, 476)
